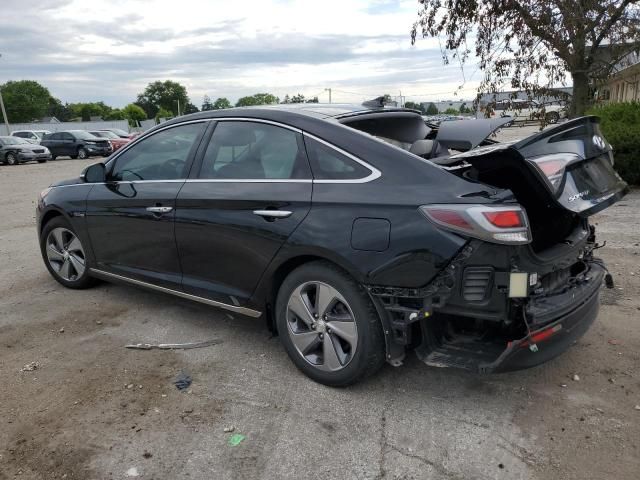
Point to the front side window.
(252, 150)
(162, 156)
(329, 164)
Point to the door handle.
(273, 213)
(159, 210)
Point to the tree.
(299, 98)
(413, 106)
(190, 108)
(25, 100)
(532, 45)
(221, 103)
(451, 111)
(88, 110)
(134, 113)
(206, 104)
(286, 99)
(164, 95)
(312, 100)
(117, 114)
(257, 99)
(464, 108)
(58, 110)
(162, 113)
(432, 109)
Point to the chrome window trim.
(375, 173)
(234, 308)
(258, 120)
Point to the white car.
(33, 136)
(529, 110)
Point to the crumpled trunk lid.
(590, 183)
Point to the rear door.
(130, 217)
(251, 190)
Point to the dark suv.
(76, 144)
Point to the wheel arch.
(50, 215)
(267, 293)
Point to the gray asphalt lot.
(95, 410)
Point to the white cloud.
(89, 50)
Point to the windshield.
(117, 131)
(82, 135)
(105, 134)
(13, 140)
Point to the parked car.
(115, 140)
(121, 133)
(529, 110)
(14, 150)
(33, 135)
(354, 251)
(76, 144)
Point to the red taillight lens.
(553, 166)
(497, 224)
(449, 217)
(505, 219)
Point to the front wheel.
(328, 325)
(553, 117)
(42, 161)
(11, 159)
(64, 255)
(82, 154)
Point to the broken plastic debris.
(133, 472)
(229, 429)
(576, 378)
(182, 381)
(235, 439)
(173, 346)
(30, 367)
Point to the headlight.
(44, 193)
(24, 150)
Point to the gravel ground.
(94, 410)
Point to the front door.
(130, 217)
(252, 189)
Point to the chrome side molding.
(233, 308)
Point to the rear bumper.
(556, 337)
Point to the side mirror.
(96, 173)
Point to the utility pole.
(401, 102)
(328, 90)
(4, 112)
(178, 107)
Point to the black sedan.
(15, 150)
(354, 250)
(76, 144)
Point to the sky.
(92, 50)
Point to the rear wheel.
(552, 117)
(11, 159)
(64, 255)
(328, 325)
(42, 161)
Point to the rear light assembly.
(552, 167)
(496, 224)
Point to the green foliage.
(465, 109)
(432, 109)
(299, 98)
(115, 114)
(620, 124)
(312, 100)
(221, 103)
(162, 113)
(257, 99)
(165, 95)
(451, 111)
(134, 113)
(189, 108)
(206, 104)
(25, 101)
(413, 106)
(87, 110)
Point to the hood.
(464, 135)
(32, 146)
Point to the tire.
(53, 157)
(349, 361)
(552, 118)
(42, 161)
(82, 154)
(11, 159)
(63, 257)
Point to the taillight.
(553, 166)
(496, 224)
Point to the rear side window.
(254, 151)
(329, 164)
(21, 134)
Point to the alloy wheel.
(82, 153)
(65, 254)
(11, 159)
(322, 326)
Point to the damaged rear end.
(526, 284)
